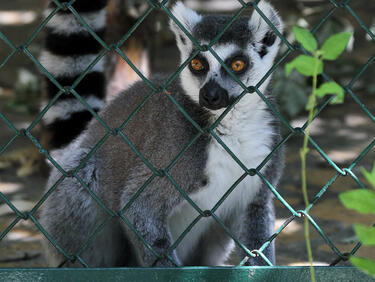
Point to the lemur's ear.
(262, 32)
(188, 19)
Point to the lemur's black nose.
(213, 96)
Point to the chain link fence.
(31, 215)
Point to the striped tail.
(69, 49)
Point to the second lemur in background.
(69, 49)
(160, 131)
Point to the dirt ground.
(342, 131)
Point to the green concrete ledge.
(190, 274)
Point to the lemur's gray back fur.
(205, 171)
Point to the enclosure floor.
(343, 132)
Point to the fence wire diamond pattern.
(163, 90)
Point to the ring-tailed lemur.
(159, 131)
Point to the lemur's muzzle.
(213, 96)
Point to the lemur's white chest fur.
(248, 136)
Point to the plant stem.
(304, 152)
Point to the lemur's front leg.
(259, 226)
(153, 229)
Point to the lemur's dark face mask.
(212, 96)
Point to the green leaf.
(365, 234)
(335, 45)
(363, 201)
(370, 176)
(364, 264)
(331, 88)
(305, 65)
(304, 37)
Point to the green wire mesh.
(164, 172)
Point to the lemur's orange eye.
(238, 65)
(197, 65)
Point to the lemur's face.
(247, 48)
(215, 88)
